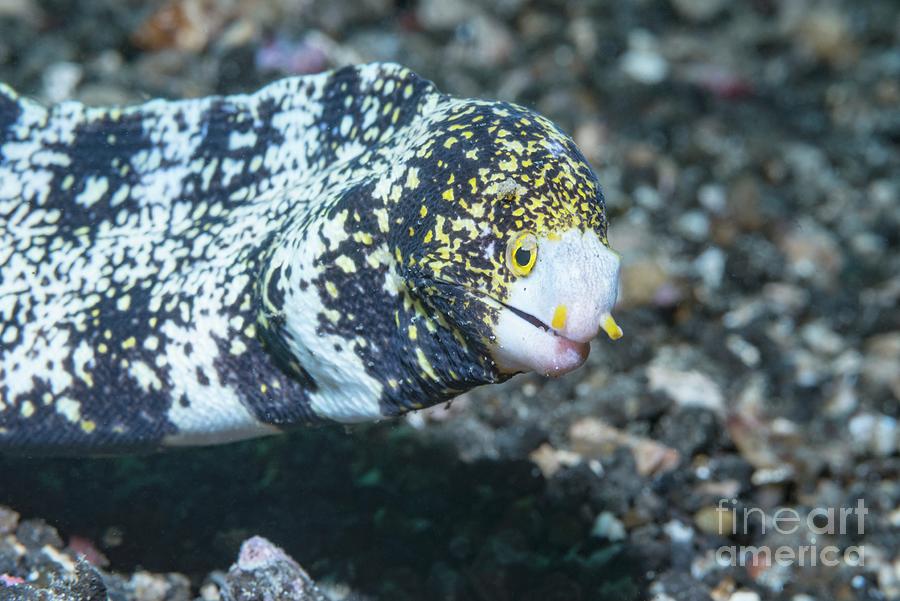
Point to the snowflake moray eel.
(346, 246)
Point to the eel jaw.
(524, 343)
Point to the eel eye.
(521, 254)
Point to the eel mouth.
(542, 349)
(521, 342)
(531, 319)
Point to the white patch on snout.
(575, 270)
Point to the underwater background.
(749, 157)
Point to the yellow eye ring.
(521, 253)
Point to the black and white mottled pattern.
(200, 271)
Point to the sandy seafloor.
(749, 156)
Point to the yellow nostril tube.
(611, 328)
(559, 317)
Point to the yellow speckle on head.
(413, 332)
(363, 237)
(102, 348)
(345, 263)
(509, 165)
(123, 303)
(423, 211)
(449, 142)
(331, 289)
(559, 317)
(129, 342)
(88, 426)
(153, 321)
(107, 334)
(250, 331)
(425, 364)
(474, 183)
(263, 388)
(448, 194)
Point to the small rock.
(608, 526)
(35, 534)
(693, 225)
(813, 253)
(264, 571)
(642, 61)
(874, 433)
(689, 430)
(550, 460)
(889, 579)
(9, 520)
(158, 587)
(744, 596)
(821, 339)
(743, 350)
(60, 80)
(713, 198)
(687, 388)
(710, 266)
(786, 299)
(593, 438)
(444, 14)
(744, 203)
(714, 520)
(679, 532)
(641, 282)
(592, 137)
(80, 545)
(22, 10)
(752, 437)
(186, 25)
(826, 35)
(879, 367)
(698, 11)
(7, 580)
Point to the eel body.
(339, 247)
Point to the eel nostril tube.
(609, 325)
